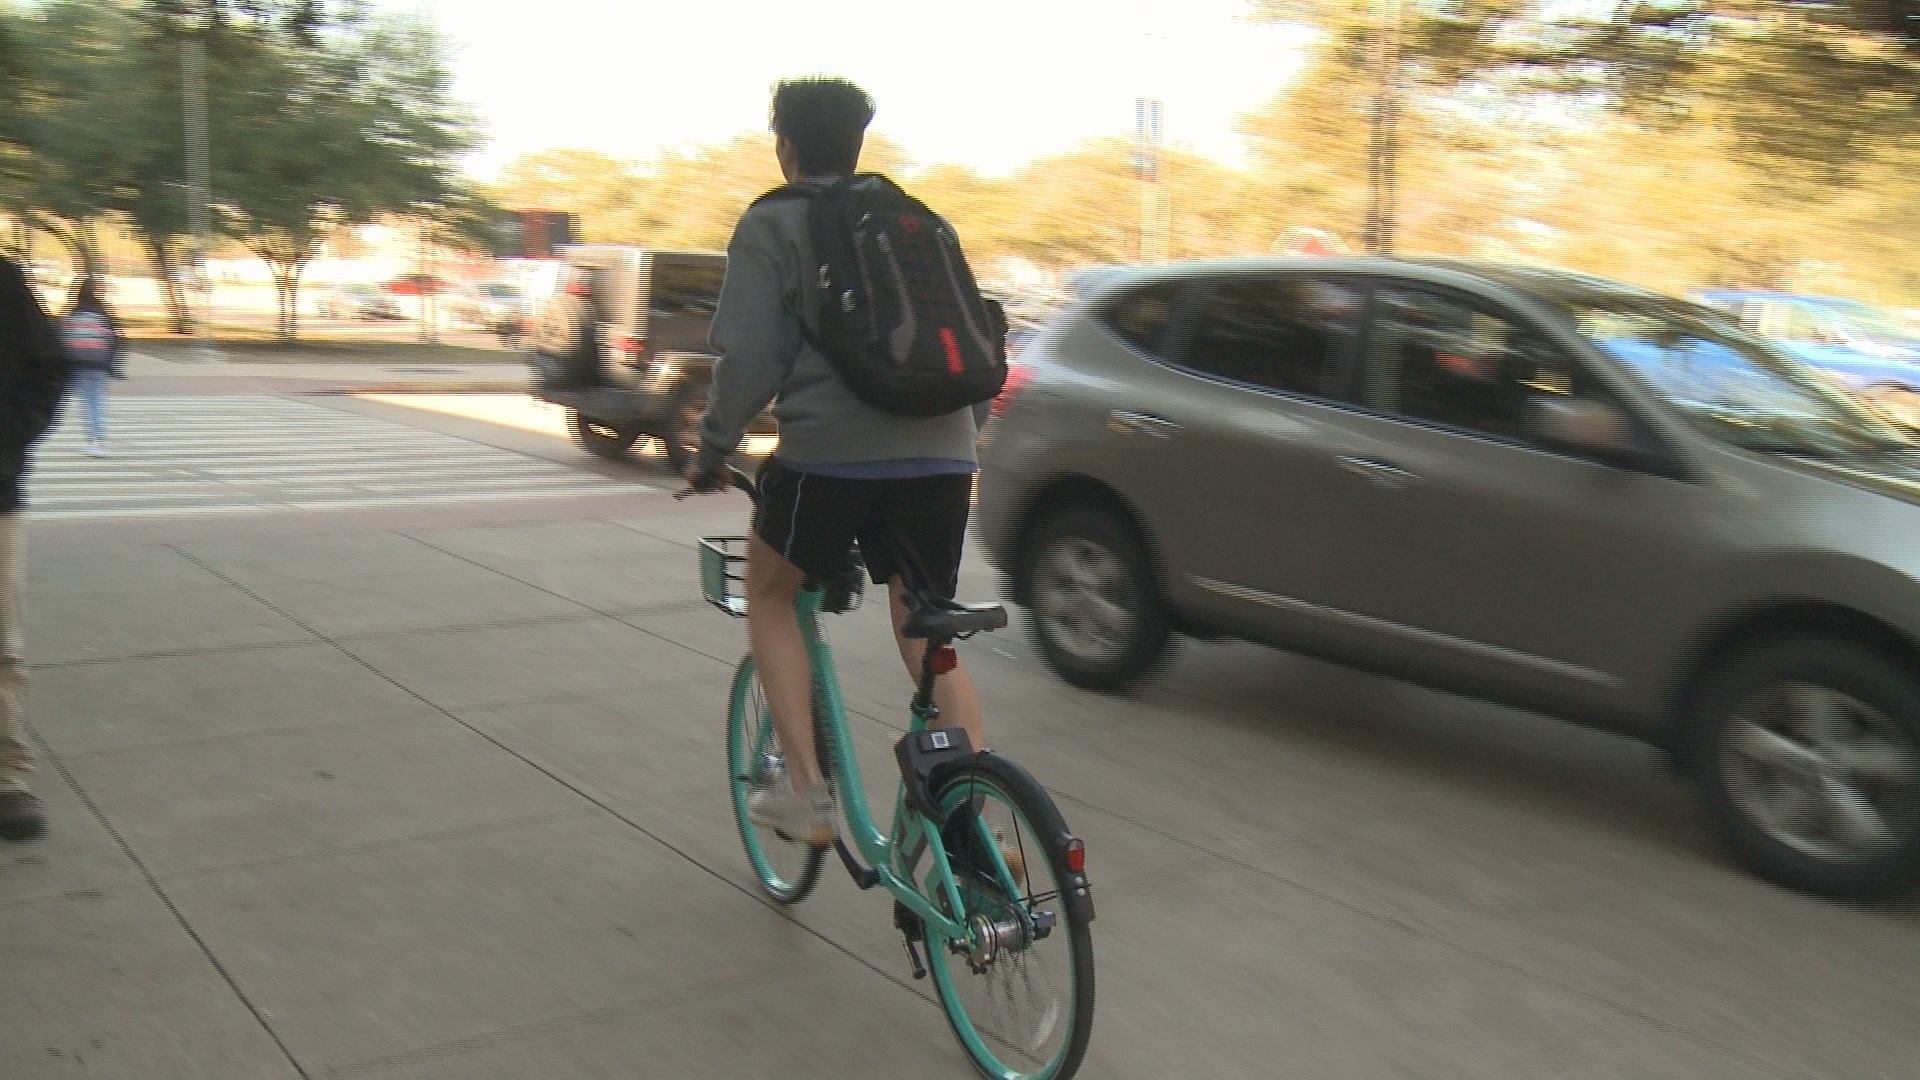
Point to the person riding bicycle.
(843, 471)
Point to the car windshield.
(1869, 321)
(1730, 385)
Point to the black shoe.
(21, 818)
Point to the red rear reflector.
(1076, 855)
(1018, 375)
(945, 660)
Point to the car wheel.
(681, 439)
(1093, 606)
(599, 438)
(1900, 405)
(1811, 766)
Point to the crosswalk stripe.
(194, 456)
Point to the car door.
(1229, 442)
(1489, 560)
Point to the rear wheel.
(1900, 405)
(787, 871)
(1019, 994)
(681, 437)
(1811, 765)
(600, 438)
(1094, 607)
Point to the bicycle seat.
(937, 619)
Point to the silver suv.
(1537, 488)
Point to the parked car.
(358, 302)
(1871, 352)
(1536, 488)
(494, 306)
(621, 343)
(418, 285)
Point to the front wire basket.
(723, 573)
(723, 577)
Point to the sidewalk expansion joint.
(153, 883)
(579, 791)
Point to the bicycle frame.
(880, 850)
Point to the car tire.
(600, 438)
(1898, 404)
(1808, 756)
(1093, 606)
(679, 432)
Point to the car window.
(1141, 317)
(1804, 324)
(1438, 358)
(1288, 332)
(686, 289)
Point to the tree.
(348, 118)
(605, 191)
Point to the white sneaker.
(96, 450)
(797, 817)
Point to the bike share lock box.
(921, 754)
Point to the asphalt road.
(1300, 871)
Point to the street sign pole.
(1154, 204)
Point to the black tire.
(1135, 627)
(600, 438)
(680, 428)
(1859, 770)
(797, 871)
(1026, 818)
(1899, 405)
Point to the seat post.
(923, 697)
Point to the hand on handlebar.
(712, 480)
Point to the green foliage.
(319, 114)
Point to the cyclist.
(843, 470)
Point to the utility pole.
(1382, 153)
(1154, 204)
(199, 181)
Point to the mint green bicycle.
(989, 886)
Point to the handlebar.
(735, 478)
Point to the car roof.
(1766, 294)
(1471, 274)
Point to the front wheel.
(1900, 405)
(1019, 992)
(1811, 765)
(1095, 609)
(599, 437)
(787, 871)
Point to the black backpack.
(899, 315)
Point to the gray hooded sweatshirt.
(763, 356)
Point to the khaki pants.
(16, 761)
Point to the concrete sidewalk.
(416, 798)
(448, 803)
(147, 374)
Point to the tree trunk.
(78, 240)
(162, 259)
(286, 280)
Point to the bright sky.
(991, 84)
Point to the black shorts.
(813, 521)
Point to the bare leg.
(953, 692)
(780, 656)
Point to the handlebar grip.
(735, 478)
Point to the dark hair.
(87, 297)
(825, 120)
